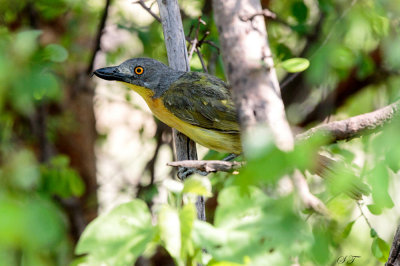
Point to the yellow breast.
(212, 139)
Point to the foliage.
(34, 180)
(259, 219)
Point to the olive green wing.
(202, 100)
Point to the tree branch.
(354, 126)
(96, 46)
(250, 69)
(209, 166)
(394, 256)
(185, 148)
(337, 130)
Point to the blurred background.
(73, 146)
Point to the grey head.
(144, 72)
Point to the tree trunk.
(250, 69)
(185, 148)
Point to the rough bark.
(354, 126)
(249, 68)
(185, 148)
(394, 256)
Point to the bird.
(197, 104)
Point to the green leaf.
(299, 11)
(197, 185)
(374, 209)
(375, 249)
(380, 25)
(118, 237)
(295, 64)
(384, 248)
(170, 231)
(379, 181)
(26, 42)
(373, 233)
(55, 53)
(187, 216)
(347, 229)
(248, 224)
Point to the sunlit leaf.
(187, 216)
(170, 231)
(118, 237)
(295, 64)
(198, 186)
(55, 53)
(347, 229)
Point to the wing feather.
(202, 100)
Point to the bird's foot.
(184, 172)
(230, 157)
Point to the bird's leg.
(184, 172)
(230, 157)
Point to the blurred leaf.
(380, 25)
(118, 237)
(26, 42)
(21, 170)
(187, 216)
(248, 224)
(295, 64)
(391, 52)
(59, 179)
(376, 251)
(30, 222)
(299, 11)
(320, 248)
(347, 229)
(55, 53)
(283, 52)
(380, 249)
(374, 209)
(342, 58)
(373, 233)
(366, 66)
(197, 185)
(170, 231)
(379, 181)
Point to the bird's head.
(145, 74)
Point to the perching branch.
(209, 166)
(185, 148)
(337, 130)
(354, 126)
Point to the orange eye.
(139, 70)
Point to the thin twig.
(148, 9)
(363, 215)
(96, 46)
(203, 65)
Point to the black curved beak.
(109, 73)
